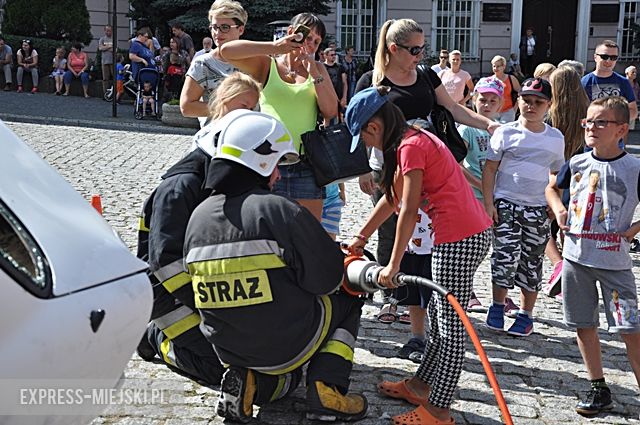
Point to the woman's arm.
(135, 58)
(252, 57)
(462, 114)
(325, 93)
(86, 63)
(469, 85)
(190, 103)
(19, 59)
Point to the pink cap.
(490, 85)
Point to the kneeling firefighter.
(264, 276)
(173, 333)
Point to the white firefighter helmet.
(255, 140)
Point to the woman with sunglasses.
(227, 19)
(296, 89)
(27, 59)
(400, 50)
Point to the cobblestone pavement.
(541, 376)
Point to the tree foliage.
(160, 14)
(65, 20)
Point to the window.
(357, 24)
(629, 14)
(20, 256)
(456, 26)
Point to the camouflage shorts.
(520, 237)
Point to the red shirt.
(446, 195)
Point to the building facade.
(101, 14)
(564, 29)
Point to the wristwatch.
(318, 80)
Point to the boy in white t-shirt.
(520, 158)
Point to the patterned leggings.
(454, 265)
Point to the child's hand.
(630, 233)
(561, 218)
(491, 211)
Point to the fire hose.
(361, 278)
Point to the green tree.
(66, 20)
(160, 14)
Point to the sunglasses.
(224, 28)
(444, 57)
(413, 51)
(26, 41)
(585, 123)
(608, 57)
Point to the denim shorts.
(297, 182)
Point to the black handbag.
(444, 126)
(326, 150)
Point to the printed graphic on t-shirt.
(421, 241)
(594, 208)
(599, 91)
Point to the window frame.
(357, 29)
(452, 31)
(36, 254)
(625, 34)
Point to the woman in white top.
(455, 79)
(227, 19)
(27, 59)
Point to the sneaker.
(7, 87)
(523, 326)
(511, 309)
(34, 90)
(145, 350)
(237, 392)
(554, 286)
(495, 317)
(597, 400)
(325, 403)
(414, 345)
(474, 305)
(19, 89)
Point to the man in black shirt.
(338, 77)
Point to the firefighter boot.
(237, 393)
(325, 403)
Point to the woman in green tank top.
(295, 88)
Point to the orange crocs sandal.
(419, 416)
(400, 390)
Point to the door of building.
(554, 24)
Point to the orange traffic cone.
(96, 203)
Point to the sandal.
(387, 314)
(399, 390)
(420, 416)
(405, 318)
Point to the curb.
(104, 125)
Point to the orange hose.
(502, 404)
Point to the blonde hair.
(544, 70)
(498, 58)
(395, 31)
(569, 104)
(230, 88)
(455, 52)
(228, 9)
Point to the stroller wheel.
(108, 95)
(138, 115)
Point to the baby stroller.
(129, 85)
(152, 76)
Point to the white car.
(74, 300)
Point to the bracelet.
(318, 80)
(362, 238)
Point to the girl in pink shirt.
(420, 172)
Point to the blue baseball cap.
(362, 106)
